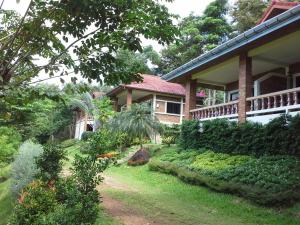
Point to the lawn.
(5, 195)
(168, 200)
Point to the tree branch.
(65, 51)
(1, 4)
(8, 44)
(49, 78)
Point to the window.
(234, 95)
(173, 108)
(297, 81)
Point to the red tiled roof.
(156, 84)
(276, 8)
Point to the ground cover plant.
(266, 180)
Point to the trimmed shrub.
(189, 136)
(86, 135)
(24, 168)
(10, 140)
(279, 137)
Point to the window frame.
(170, 102)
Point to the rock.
(141, 157)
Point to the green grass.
(105, 219)
(71, 152)
(6, 205)
(173, 202)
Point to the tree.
(246, 13)
(198, 34)
(143, 62)
(78, 36)
(138, 122)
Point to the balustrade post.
(275, 102)
(269, 102)
(262, 103)
(295, 98)
(281, 100)
(288, 99)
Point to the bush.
(279, 137)
(10, 140)
(86, 135)
(36, 201)
(189, 136)
(100, 142)
(50, 162)
(168, 140)
(24, 168)
(170, 134)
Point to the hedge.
(278, 137)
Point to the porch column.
(245, 85)
(129, 98)
(190, 97)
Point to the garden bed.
(267, 180)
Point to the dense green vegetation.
(248, 138)
(174, 202)
(266, 180)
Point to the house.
(166, 99)
(84, 122)
(259, 70)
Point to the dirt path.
(117, 209)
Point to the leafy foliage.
(217, 161)
(266, 180)
(198, 34)
(139, 61)
(35, 201)
(247, 13)
(170, 134)
(73, 35)
(50, 162)
(86, 135)
(189, 136)
(9, 143)
(137, 122)
(61, 200)
(24, 169)
(248, 138)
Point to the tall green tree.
(198, 34)
(77, 36)
(246, 13)
(142, 62)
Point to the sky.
(180, 7)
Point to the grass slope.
(6, 205)
(168, 200)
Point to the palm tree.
(137, 122)
(86, 103)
